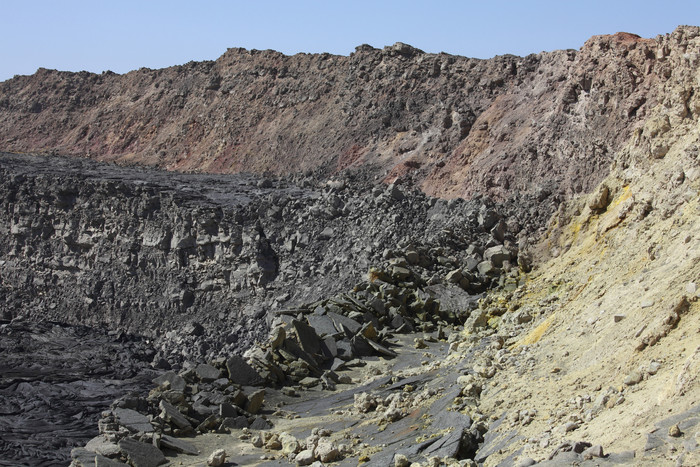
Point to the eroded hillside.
(403, 330)
(547, 123)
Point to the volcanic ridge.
(393, 258)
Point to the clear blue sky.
(98, 35)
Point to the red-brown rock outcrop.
(455, 126)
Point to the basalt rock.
(141, 250)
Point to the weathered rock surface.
(403, 328)
(54, 382)
(545, 123)
(132, 249)
(147, 251)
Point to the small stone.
(419, 343)
(633, 378)
(257, 441)
(260, 424)
(691, 288)
(364, 402)
(580, 446)
(277, 337)
(216, 458)
(392, 414)
(236, 423)
(412, 256)
(401, 461)
(496, 255)
(326, 234)
(178, 445)
(305, 457)
(653, 368)
(326, 452)
(369, 331)
(674, 431)
(83, 457)
(290, 445)
(141, 454)
(193, 328)
(103, 446)
(207, 373)
(400, 273)
(255, 401)
(170, 413)
(395, 192)
(133, 420)
(647, 304)
(484, 370)
(454, 276)
(273, 444)
(227, 410)
(308, 339)
(309, 382)
(618, 318)
(173, 380)
(485, 268)
(569, 426)
(526, 462)
(241, 373)
(593, 451)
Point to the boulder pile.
(199, 399)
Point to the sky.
(99, 35)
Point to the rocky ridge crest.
(547, 123)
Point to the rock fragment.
(216, 458)
(179, 445)
(240, 372)
(305, 457)
(255, 401)
(674, 431)
(173, 415)
(141, 454)
(133, 420)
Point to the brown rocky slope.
(544, 123)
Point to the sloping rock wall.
(547, 123)
(149, 252)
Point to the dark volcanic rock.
(240, 372)
(143, 250)
(133, 420)
(178, 445)
(55, 380)
(141, 454)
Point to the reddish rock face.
(455, 126)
